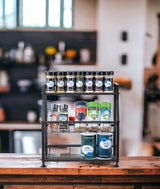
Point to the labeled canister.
(60, 84)
(98, 82)
(104, 145)
(108, 81)
(88, 145)
(70, 82)
(80, 115)
(80, 82)
(89, 82)
(93, 115)
(105, 115)
(50, 81)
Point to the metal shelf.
(87, 122)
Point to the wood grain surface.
(18, 164)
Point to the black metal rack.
(46, 156)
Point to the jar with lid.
(98, 82)
(80, 82)
(108, 81)
(60, 84)
(50, 81)
(105, 115)
(70, 82)
(63, 116)
(53, 115)
(80, 115)
(93, 115)
(89, 80)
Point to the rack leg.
(43, 164)
(116, 164)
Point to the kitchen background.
(118, 35)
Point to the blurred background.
(118, 35)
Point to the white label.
(87, 150)
(105, 144)
(89, 83)
(52, 118)
(63, 117)
(108, 83)
(99, 83)
(79, 83)
(70, 83)
(50, 83)
(60, 83)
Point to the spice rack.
(46, 148)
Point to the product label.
(80, 113)
(70, 83)
(105, 115)
(63, 117)
(52, 117)
(99, 83)
(93, 115)
(60, 83)
(105, 144)
(108, 83)
(50, 83)
(87, 150)
(79, 83)
(89, 83)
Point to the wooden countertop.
(18, 164)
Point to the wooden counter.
(21, 171)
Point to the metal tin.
(89, 81)
(50, 81)
(104, 145)
(98, 82)
(70, 82)
(108, 81)
(88, 145)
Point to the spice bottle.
(89, 78)
(108, 81)
(93, 115)
(63, 116)
(70, 82)
(105, 115)
(60, 88)
(50, 81)
(80, 115)
(80, 82)
(98, 82)
(53, 115)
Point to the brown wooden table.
(24, 172)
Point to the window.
(35, 13)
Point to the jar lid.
(89, 73)
(70, 73)
(50, 72)
(93, 104)
(60, 73)
(108, 73)
(54, 107)
(81, 103)
(80, 73)
(88, 134)
(105, 105)
(99, 73)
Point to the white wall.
(153, 7)
(84, 15)
(114, 16)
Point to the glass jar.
(98, 82)
(70, 82)
(63, 116)
(80, 115)
(89, 79)
(80, 82)
(53, 115)
(93, 115)
(105, 115)
(60, 87)
(108, 81)
(50, 81)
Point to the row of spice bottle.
(91, 111)
(79, 81)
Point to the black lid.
(89, 73)
(64, 107)
(60, 73)
(80, 73)
(70, 73)
(108, 73)
(50, 72)
(54, 107)
(99, 73)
